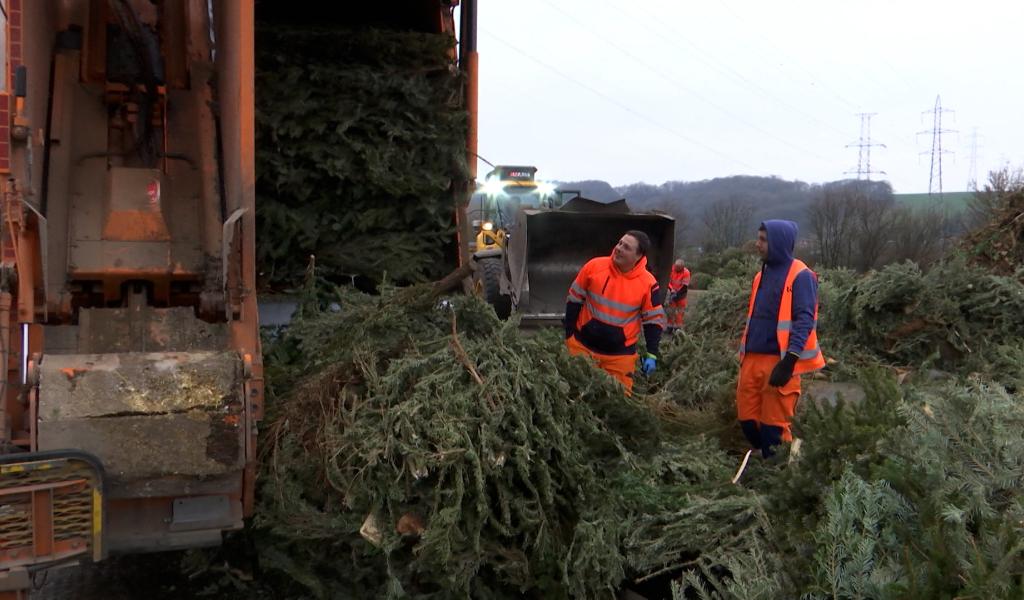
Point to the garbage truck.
(131, 383)
(531, 242)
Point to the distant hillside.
(692, 202)
(601, 191)
(767, 198)
(954, 201)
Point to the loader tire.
(488, 275)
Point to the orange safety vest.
(615, 303)
(811, 358)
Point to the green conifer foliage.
(360, 136)
(482, 462)
(529, 471)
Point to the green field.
(956, 201)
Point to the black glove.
(783, 371)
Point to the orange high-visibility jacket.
(810, 358)
(676, 282)
(615, 306)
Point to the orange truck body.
(131, 376)
(131, 383)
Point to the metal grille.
(15, 525)
(72, 515)
(72, 508)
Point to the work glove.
(783, 371)
(648, 364)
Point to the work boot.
(771, 436)
(752, 433)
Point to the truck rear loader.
(131, 379)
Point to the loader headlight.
(493, 187)
(545, 188)
(487, 226)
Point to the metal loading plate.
(145, 414)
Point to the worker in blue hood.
(780, 341)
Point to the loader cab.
(504, 191)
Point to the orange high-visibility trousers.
(758, 401)
(619, 366)
(675, 311)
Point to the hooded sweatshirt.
(761, 334)
(606, 308)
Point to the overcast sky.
(682, 90)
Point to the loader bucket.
(548, 247)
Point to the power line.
(864, 146)
(668, 77)
(935, 174)
(816, 81)
(725, 69)
(624, 107)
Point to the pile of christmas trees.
(999, 244)
(359, 136)
(916, 491)
(423, 448)
(418, 447)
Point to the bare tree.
(727, 224)
(988, 202)
(920, 235)
(682, 222)
(851, 222)
(872, 229)
(832, 223)
(682, 229)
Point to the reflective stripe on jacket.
(810, 358)
(615, 305)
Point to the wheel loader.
(531, 242)
(505, 190)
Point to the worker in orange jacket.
(678, 284)
(780, 340)
(609, 302)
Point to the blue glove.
(648, 364)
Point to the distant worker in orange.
(678, 284)
(610, 301)
(780, 340)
